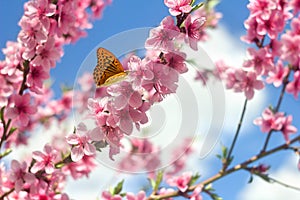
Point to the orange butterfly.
(108, 70)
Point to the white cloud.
(261, 190)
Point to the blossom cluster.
(45, 27)
(275, 58)
(119, 109)
(277, 122)
(26, 101)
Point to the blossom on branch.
(176, 7)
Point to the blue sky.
(124, 15)
(118, 17)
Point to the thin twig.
(269, 179)
(6, 194)
(283, 184)
(285, 82)
(235, 136)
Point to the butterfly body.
(108, 70)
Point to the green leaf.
(26, 64)
(196, 7)
(216, 197)
(224, 151)
(118, 188)
(159, 178)
(12, 130)
(212, 193)
(2, 115)
(250, 179)
(152, 182)
(5, 153)
(123, 194)
(65, 88)
(194, 179)
(209, 187)
(264, 177)
(210, 4)
(156, 183)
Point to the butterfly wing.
(115, 79)
(107, 66)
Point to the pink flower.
(80, 168)
(162, 37)
(266, 18)
(261, 61)
(180, 156)
(6, 91)
(287, 128)
(211, 20)
(143, 155)
(270, 121)
(19, 175)
(295, 26)
(46, 54)
(140, 196)
(243, 81)
(278, 74)
(81, 144)
(176, 7)
(62, 196)
(271, 17)
(107, 196)
(86, 82)
(295, 5)
(36, 77)
(98, 110)
(44, 160)
(196, 194)
(66, 19)
(220, 70)
(294, 86)
(166, 191)
(97, 8)
(13, 58)
(125, 95)
(193, 30)
(275, 45)
(40, 9)
(32, 33)
(21, 109)
(290, 49)
(261, 169)
(181, 182)
(176, 60)
(139, 71)
(202, 76)
(262, 8)
(164, 81)
(252, 36)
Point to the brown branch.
(222, 174)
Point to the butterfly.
(108, 70)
